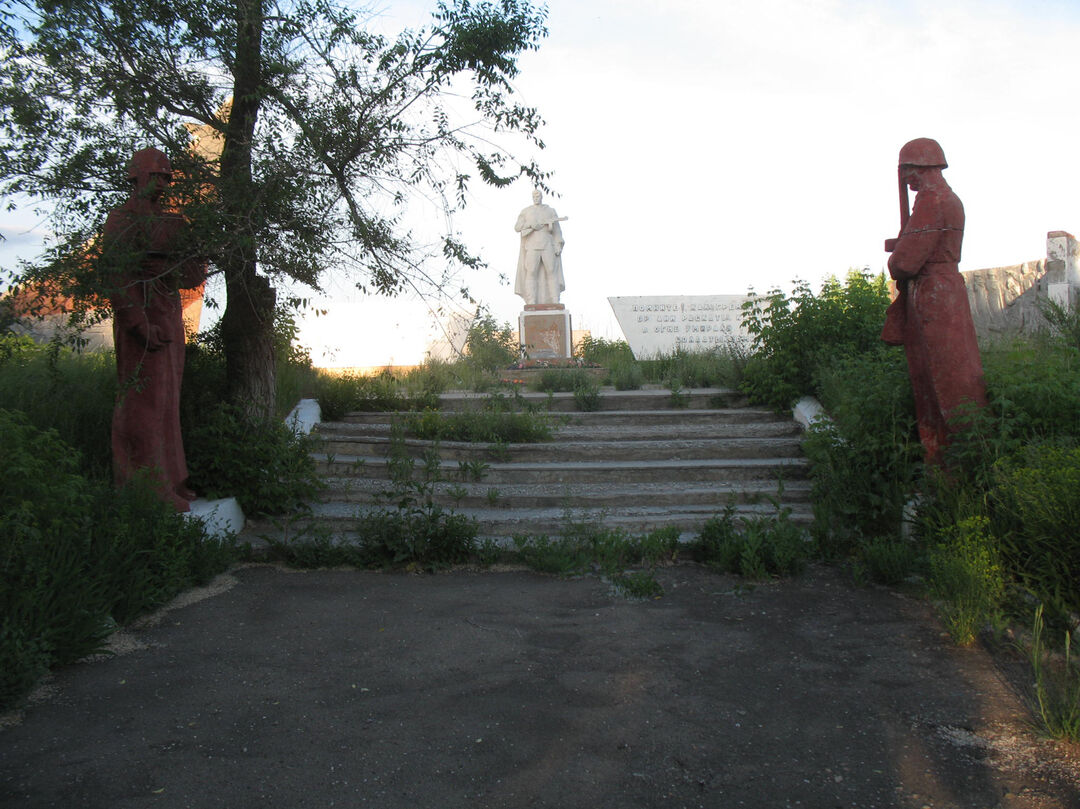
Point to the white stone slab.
(221, 517)
(304, 416)
(660, 324)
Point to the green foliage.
(266, 466)
(340, 394)
(1057, 686)
(585, 545)
(794, 337)
(754, 547)
(626, 374)
(966, 579)
(1034, 388)
(502, 420)
(605, 353)
(411, 532)
(1064, 322)
(489, 346)
(59, 389)
(719, 367)
(77, 557)
(333, 129)
(587, 394)
(866, 458)
(888, 560)
(1034, 508)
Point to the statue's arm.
(917, 241)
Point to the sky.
(717, 146)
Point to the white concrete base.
(222, 517)
(304, 416)
(807, 411)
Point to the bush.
(77, 557)
(605, 353)
(720, 367)
(492, 425)
(888, 560)
(265, 465)
(966, 579)
(1034, 506)
(865, 459)
(65, 391)
(794, 337)
(489, 346)
(762, 546)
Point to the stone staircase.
(645, 460)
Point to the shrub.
(605, 353)
(866, 458)
(697, 369)
(762, 546)
(484, 426)
(1034, 506)
(888, 560)
(489, 346)
(626, 374)
(966, 578)
(793, 337)
(77, 557)
(265, 465)
(65, 391)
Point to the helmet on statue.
(923, 152)
(148, 162)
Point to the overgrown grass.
(501, 420)
(78, 558)
(755, 547)
(585, 545)
(1057, 685)
(64, 391)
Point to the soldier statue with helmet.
(145, 267)
(931, 316)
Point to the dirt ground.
(340, 688)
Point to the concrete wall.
(1004, 300)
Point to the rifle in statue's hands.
(905, 209)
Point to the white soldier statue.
(539, 272)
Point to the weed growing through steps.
(753, 547)
(586, 546)
(1057, 686)
(502, 420)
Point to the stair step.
(671, 449)
(599, 471)
(638, 464)
(338, 519)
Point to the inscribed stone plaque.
(659, 324)
(545, 332)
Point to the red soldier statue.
(931, 317)
(145, 277)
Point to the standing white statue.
(539, 271)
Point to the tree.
(322, 133)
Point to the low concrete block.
(221, 517)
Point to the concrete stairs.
(644, 460)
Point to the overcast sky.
(711, 146)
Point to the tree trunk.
(247, 331)
(247, 325)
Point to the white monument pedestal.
(545, 334)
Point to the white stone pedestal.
(545, 334)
